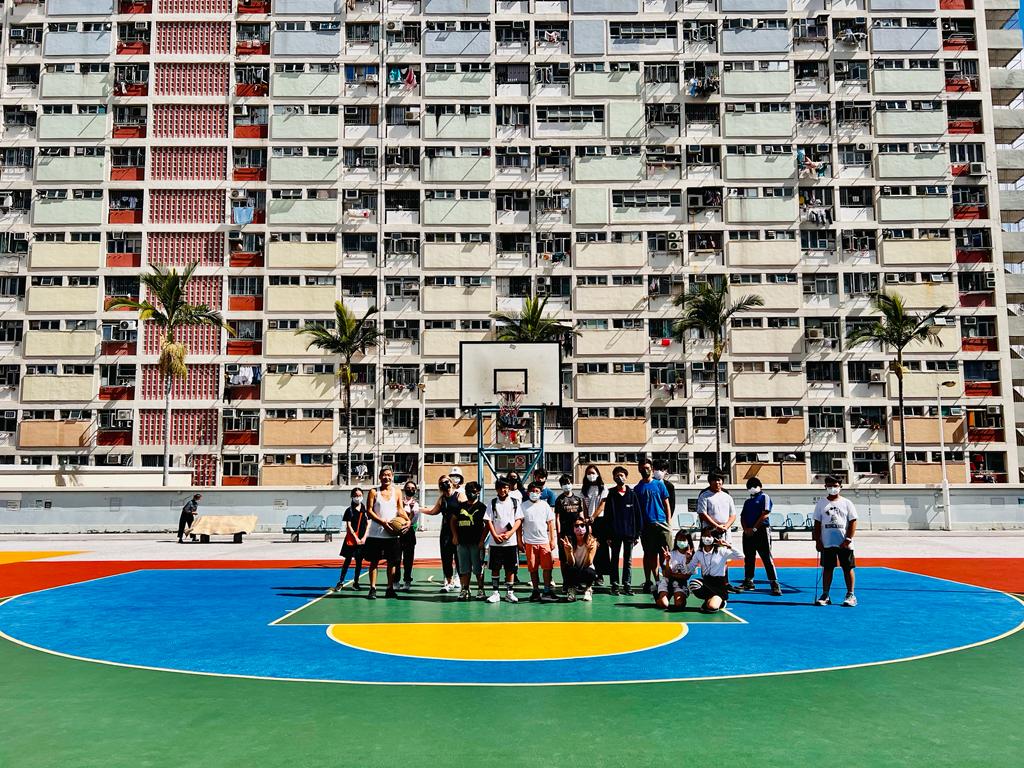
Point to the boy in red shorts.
(538, 540)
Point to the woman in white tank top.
(382, 542)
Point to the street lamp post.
(947, 513)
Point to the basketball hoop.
(509, 424)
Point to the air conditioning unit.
(10, 414)
(838, 464)
(238, 194)
(541, 193)
(891, 278)
(128, 325)
(863, 146)
(248, 458)
(17, 32)
(235, 234)
(142, 25)
(395, 26)
(370, 79)
(675, 246)
(518, 25)
(929, 147)
(815, 334)
(116, 235)
(700, 366)
(475, 109)
(993, 410)
(399, 324)
(351, 194)
(122, 415)
(976, 169)
(877, 377)
(369, 151)
(674, 236)
(412, 116)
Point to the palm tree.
(349, 337)
(167, 308)
(531, 324)
(707, 309)
(896, 329)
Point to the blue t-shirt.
(549, 496)
(753, 508)
(652, 494)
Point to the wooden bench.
(235, 526)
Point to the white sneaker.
(823, 600)
(446, 587)
(495, 597)
(588, 595)
(850, 601)
(510, 596)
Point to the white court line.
(943, 652)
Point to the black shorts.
(829, 556)
(655, 537)
(376, 550)
(504, 557)
(710, 586)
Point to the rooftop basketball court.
(222, 662)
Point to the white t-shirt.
(715, 562)
(503, 514)
(718, 506)
(834, 517)
(536, 516)
(677, 565)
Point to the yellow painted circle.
(507, 641)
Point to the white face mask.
(754, 491)
(591, 477)
(658, 474)
(706, 541)
(534, 496)
(567, 487)
(832, 490)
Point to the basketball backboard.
(489, 368)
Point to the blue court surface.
(222, 622)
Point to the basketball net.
(509, 424)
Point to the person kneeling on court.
(835, 523)
(578, 573)
(675, 570)
(467, 527)
(538, 532)
(712, 560)
(503, 519)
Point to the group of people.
(591, 533)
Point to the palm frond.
(350, 335)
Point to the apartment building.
(446, 159)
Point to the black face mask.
(472, 495)
(620, 481)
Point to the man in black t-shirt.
(467, 528)
(567, 508)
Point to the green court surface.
(424, 604)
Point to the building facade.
(444, 160)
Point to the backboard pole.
(485, 455)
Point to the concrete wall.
(67, 510)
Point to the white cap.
(457, 472)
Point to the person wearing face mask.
(712, 560)
(503, 519)
(540, 476)
(675, 570)
(356, 522)
(757, 537)
(568, 506)
(624, 521)
(594, 494)
(716, 511)
(407, 541)
(537, 539)
(656, 533)
(515, 486)
(661, 472)
(835, 523)
(448, 500)
(468, 535)
(578, 572)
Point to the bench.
(235, 526)
(797, 523)
(687, 521)
(296, 525)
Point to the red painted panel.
(114, 438)
(124, 259)
(250, 131)
(127, 174)
(245, 259)
(128, 132)
(241, 438)
(241, 392)
(117, 393)
(975, 344)
(136, 48)
(239, 481)
(118, 348)
(235, 347)
(249, 174)
(125, 217)
(245, 303)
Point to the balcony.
(890, 81)
(905, 40)
(58, 299)
(613, 298)
(292, 388)
(296, 475)
(49, 211)
(60, 344)
(1009, 125)
(287, 343)
(47, 388)
(595, 342)
(54, 434)
(459, 432)
(610, 255)
(454, 44)
(757, 83)
(77, 44)
(768, 431)
(449, 213)
(460, 126)
(631, 388)
(241, 437)
(763, 253)
(290, 211)
(289, 255)
(614, 432)
(457, 169)
(443, 343)
(302, 127)
(458, 84)
(457, 256)
(922, 385)
(605, 84)
(985, 435)
(906, 123)
(755, 41)
(320, 85)
(80, 7)
(1010, 164)
(300, 298)
(286, 433)
(768, 386)
(927, 295)
(927, 252)
(772, 473)
(72, 256)
(759, 125)
(929, 473)
(1011, 206)
(72, 85)
(1003, 46)
(305, 42)
(924, 430)
(457, 300)
(759, 167)
(72, 127)
(612, 168)
(242, 258)
(69, 169)
(314, 169)
(116, 392)
(913, 208)
(757, 210)
(912, 166)
(1006, 85)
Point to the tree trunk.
(168, 385)
(718, 421)
(903, 424)
(347, 373)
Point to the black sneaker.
(391, 594)
(372, 594)
(614, 589)
(746, 586)
(627, 590)
(549, 596)
(356, 587)
(535, 596)
(647, 587)
(776, 589)
(732, 588)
